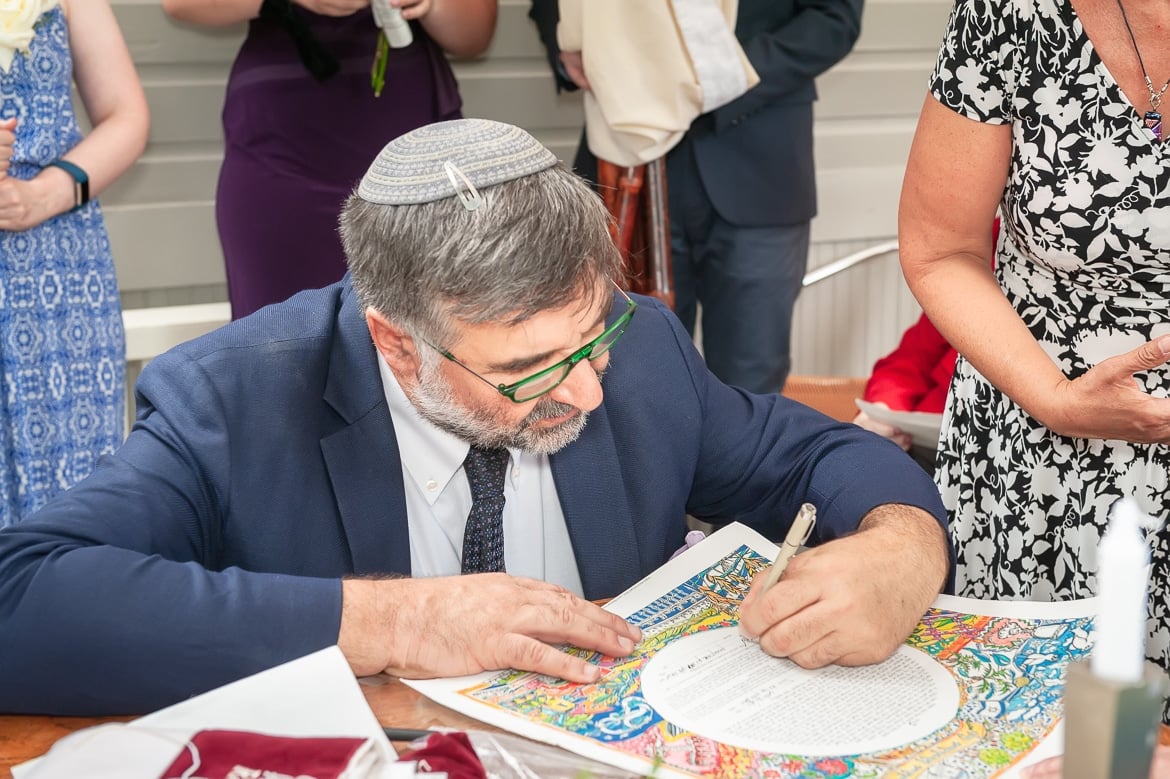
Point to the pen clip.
(807, 514)
(802, 524)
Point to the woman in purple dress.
(301, 123)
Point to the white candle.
(1119, 636)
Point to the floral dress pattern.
(62, 348)
(1084, 257)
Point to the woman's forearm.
(463, 28)
(945, 227)
(964, 301)
(111, 148)
(213, 13)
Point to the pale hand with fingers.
(1107, 402)
(575, 68)
(854, 600)
(458, 625)
(866, 422)
(17, 204)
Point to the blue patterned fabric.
(62, 348)
(483, 536)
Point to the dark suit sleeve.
(761, 456)
(788, 58)
(546, 14)
(112, 597)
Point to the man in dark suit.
(742, 188)
(321, 472)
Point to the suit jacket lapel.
(597, 512)
(362, 456)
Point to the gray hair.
(535, 244)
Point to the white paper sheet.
(315, 695)
(922, 427)
(720, 684)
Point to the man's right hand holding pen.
(855, 599)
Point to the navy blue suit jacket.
(263, 467)
(755, 154)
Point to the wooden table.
(395, 704)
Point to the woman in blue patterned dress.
(62, 351)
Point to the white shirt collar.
(430, 455)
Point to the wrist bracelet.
(80, 181)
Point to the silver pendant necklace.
(1152, 118)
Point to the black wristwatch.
(80, 181)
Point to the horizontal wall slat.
(854, 144)
(857, 204)
(154, 38)
(874, 87)
(516, 34)
(156, 181)
(180, 172)
(902, 25)
(157, 247)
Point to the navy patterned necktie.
(483, 536)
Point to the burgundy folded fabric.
(450, 752)
(233, 754)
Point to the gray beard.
(435, 402)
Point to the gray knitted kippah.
(413, 167)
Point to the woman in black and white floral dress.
(1059, 402)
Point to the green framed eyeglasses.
(547, 380)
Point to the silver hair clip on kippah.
(464, 190)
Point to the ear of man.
(396, 346)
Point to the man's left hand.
(854, 600)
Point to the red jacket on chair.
(916, 375)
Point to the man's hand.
(575, 68)
(456, 625)
(854, 600)
(897, 435)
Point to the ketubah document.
(974, 692)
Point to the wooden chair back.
(831, 395)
